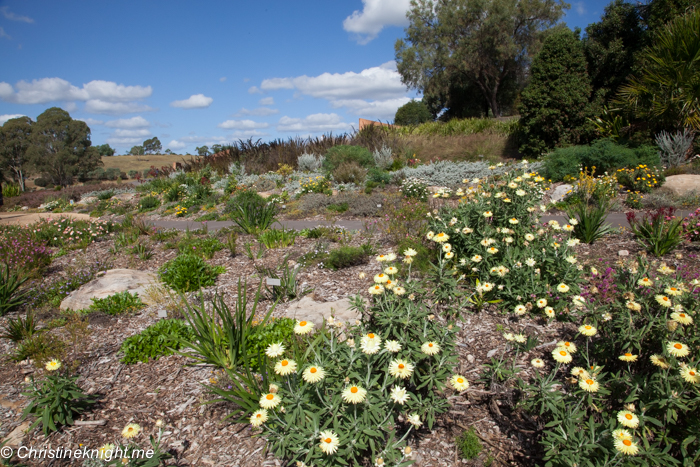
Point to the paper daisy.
(459, 382)
(259, 417)
(270, 400)
(303, 327)
(274, 350)
(329, 442)
(313, 374)
(430, 348)
(285, 367)
(400, 369)
(399, 395)
(354, 394)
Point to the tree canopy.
(105, 150)
(15, 141)
(152, 146)
(203, 150)
(412, 113)
(136, 151)
(480, 44)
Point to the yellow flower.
(589, 384)
(690, 375)
(537, 363)
(381, 278)
(376, 289)
(663, 301)
(570, 346)
(269, 400)
(561, 355)
(53, 365)
(131, 430)
(659, 361)
(645, 282)
(399, 395)
(329, 442)
(587, 330)
(370, 343)
(285, 367)
(303, 327)
(562, 288)
(627, 447)
(628, 357)
(459, 382)
(354, 394)
(430, 348)
(677, 349)
(259, 417)
(682, 318)
(400, 369)
(492, 250)
(673, 291)
(628, 419)
(441, 237)
(313, 374)
(391, 270)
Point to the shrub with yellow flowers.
(317, 184)
(641, 178)
(494, 236)
(625, 389)
(180, 211)
(358, 391)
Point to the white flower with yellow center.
(529, 237)
(628, 357)
(399, 290)
(587, 330)
(303, 327)
(634, 306)
(645, 282)
(665, 270)
(399, 395)
(690, 375)
(520, 338)
(430, 234)
(274, 350)
(414, 419)
(400, 369)
(530, 262)
(449, 255)
(391, 270)
(664, 301)
(568, 228)
(354, 394)
(660, 361)
(259, 417)
(376, 289)
(561, 355)
(53, 365)
(410, 252)
(313, 374)
(508, 336)
(578, 301)
(675, 291)
(131, 430)
(488, 214)
(562, 288)
(520, 192)
(570, 346)
(541, 303)
(573, 242)
(537, 363)
(486, 287)
(589, 384)
(105, 452)
(390, 284)
(492, 250)
(627, 447)
(381, 278)
(579, 372)
(370, 343)
(430, 348)
(381, 258)
(627, 419)
(441, 237)
(467, 230)
(549, 312)
(392, 346)
(459, 382)
(682, 318)
(476, 258)
(285, 367)
(678, 349)
(446, 247)
(520, 310)
(513, 221)
(329, 442)
(570, 259)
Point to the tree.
(61, 147)
(15, 140)
(667, 91)
(412, 113)
(203, 151)
(168, 151)
(484, 42)
(152, 146)
(136, 151)
(105, 150)
(555, 104)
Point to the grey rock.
(88, 200)
(623, 253)
(560, 192)
(491, 353)
(470, 358)
(682, 185)
(112, 282)
(308, 309)
(125, 196)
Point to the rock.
(623, 253)
(125, 196)
(470, 358)
(25, 208)
(14, 439)
(88, 200)
(491, 353)
(682, 185)
(560, 192)
(310, 310)
(112, 282)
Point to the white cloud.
(260, 112)
(176, 145)
(6, 117)
(383, 110)
(112, 92)
(242, 125)
(254, 90)
(90, 121)
(580, 8)
(245, 134)
(4, 34)
(313, 123)
(41, 91)
(222, 79)
(195, 101)
(376, 14)
(267, 101)
(133, 122)
(96, 106)
(142, 133)
(13, 17)
(381, 82)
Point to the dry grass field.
(126, 163)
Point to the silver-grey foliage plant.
(451, 174)
(674, 147)
(383, 157)
(310, 162)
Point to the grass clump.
(149, 203)
(339, 155)
(278, 238)
(19, 329)
(348, 256)
(468, 444)
(204, 247)
(155, 341)
(122, 302)
(188, 272)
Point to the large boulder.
(308, 309)
(682, 185)
(560, 192)
(110, 283)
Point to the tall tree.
(15, 140)
(486, 42)
(203, 150)
(105, 150)
(555, 104)
(136, 151)
(412, 113)
(215, 148)
(152, 146)
(61, 148)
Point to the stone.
(14, 439)
(560, 192)
(88, 200)
(470, 358)
(623, 253)
(681, 185)
(125, 196)
(308, 309)
(491, 353)
(112, 282)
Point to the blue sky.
(195, 73)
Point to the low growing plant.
(157, 340)
(347, 256)
(188, 272)
(468, 444)
(659, 232)
(278, 238)
(11, 297)
(122, 302)
(19, 329)
(205, 247)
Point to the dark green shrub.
(105, 195)
(251, 212)
(262, 335)
(42, 182)
(468, 444)
(204, 247)
(132, 173)
(149, 203)
(187, 273)
(349, 172)
(157, 340)
(378, 176)
(339, 208)
(337, 155)
(174, 193)
(412, 113)
(605, 155)
(555, 104)
(122, 302)
(348, 256)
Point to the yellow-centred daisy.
(628, 357)
(399, 290)
(645, 282)
(664, 301)
(441, 237)
(274, 350)
(259, 417)
(627, 447)
(587, 330)
(660, 361)
(370, 343)
(376, 289)
(53, 365)
(313, 374)
(354, 394)
(677, 349)
(562, 288)
(329, 442)
(561, 355)
(549, 311)
(391, 270)
(414, 419)
(285, 367)
(459, 382)
(537, 363)
(303, 327)
(399, 395)
(430, 348)
(570, 346)
(627, 419)
(520, 310)
(541, 303)
(579, 372)
(690, 375)
(400, 369)
(589, 384)
(682, 318)
(269, 400)
(381, 278)
(131, 430)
